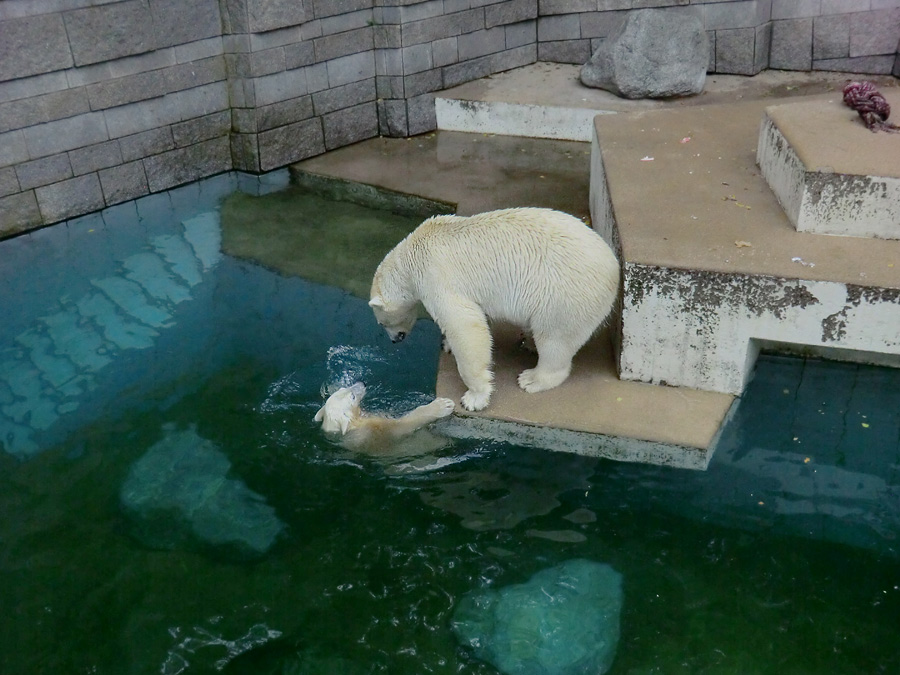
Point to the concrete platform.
(714, 271)
(832, 177)
(639, 422)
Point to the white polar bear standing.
(540, 269)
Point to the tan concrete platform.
(594, 399)
(833, 137)
(557, 85)
(714, 270)
(547, 100)
(690, 205)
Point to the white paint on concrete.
(516, 119)
(781, 167)
(602, 219)
(818, 200)
(703, 330)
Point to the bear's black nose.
(399, 338)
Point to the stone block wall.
(746, 36)
(102, 101)
(301, 78)
(423, 47)
(739, 31)
(858, 36)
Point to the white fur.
(540, 269)
(341, 416)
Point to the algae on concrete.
(329, 231)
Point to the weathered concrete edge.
(516, 119)
(578, 442)
(366, 194)
(780, 167)
(823, 202)
(703, 330)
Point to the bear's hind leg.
(554, 363)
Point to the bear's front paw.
(443, 407)
(445, 346)
(475, 401)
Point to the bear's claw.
(475, 401)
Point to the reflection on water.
(508, 495)
(129, 335)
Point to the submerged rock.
(178, 495)
(562, 621)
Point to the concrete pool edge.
(369, 195)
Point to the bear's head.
(397, 320)
(341, 409)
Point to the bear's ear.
(319, 415)
(345, 424)
(377, 301)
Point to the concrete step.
(547, 100)
(830, 174)
(714, 271)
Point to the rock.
(562, 621)
(178, 495)
(656, 53)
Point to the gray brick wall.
(103, 102)
(746, 36)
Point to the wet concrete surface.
(476, 172)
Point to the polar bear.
(540, 269)
(341, 417)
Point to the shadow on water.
(169, 506)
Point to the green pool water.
(781, 558)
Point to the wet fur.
(542, 270)
(342, 418)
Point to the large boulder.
(656, 53)
(562, 621)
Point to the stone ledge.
(831, 174)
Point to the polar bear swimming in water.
(342, 417)
(540, 269)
